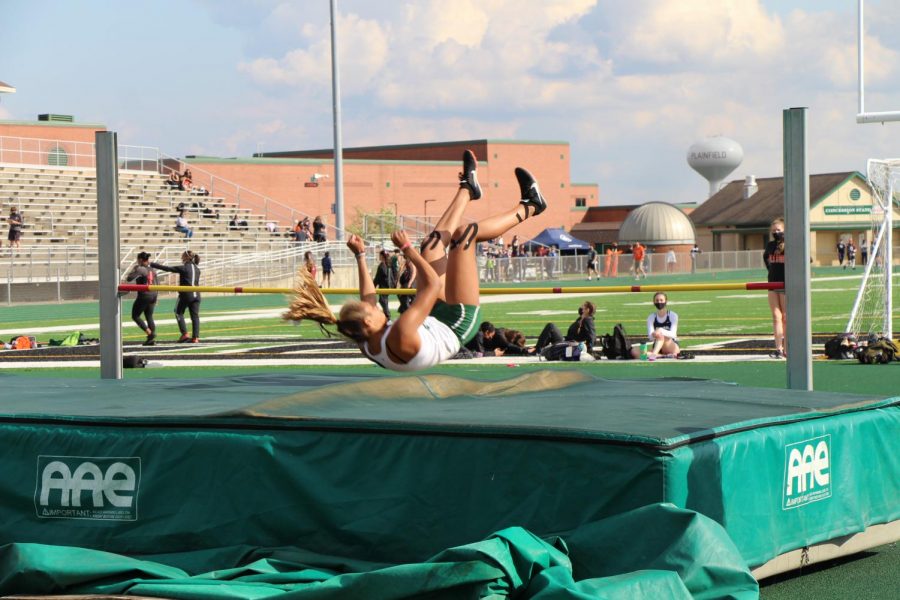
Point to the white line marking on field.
(742, 296)
(254, 315)
(549, 313)
(245, 349)
(673, 303)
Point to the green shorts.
(462, 319)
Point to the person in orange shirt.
(638, 251)
(612, 261)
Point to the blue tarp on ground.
(557, 236)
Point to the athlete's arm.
(366, 287)
(650, 327)
(165, 268)
(403, 339)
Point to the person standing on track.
(774, 259)
(384, 278)
(327, 270)
(15, 227)
(612, 261)
(189, 276)
(851, 256)
(638, 251)
(592, 264)
(145, 303)
(447, 311)
(695, 251)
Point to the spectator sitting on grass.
(497, 341)
(662, 330)
(581, 330)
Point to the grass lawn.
(711, 313)
(703, 316)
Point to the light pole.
(338, 144)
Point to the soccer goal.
(871, 314)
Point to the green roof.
(311, 161)
(426, 145)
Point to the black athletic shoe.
(184, 339)
(149, 341)
(531, 194)
(469, 178)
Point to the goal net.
(871, 314)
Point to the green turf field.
(703, 316)
(712, 313)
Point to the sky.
(629, 85)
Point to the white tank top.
(438, 343)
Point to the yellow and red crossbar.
(677, 287)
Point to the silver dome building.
(658, 225)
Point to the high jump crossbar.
(613, 289)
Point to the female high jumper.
(446, 312)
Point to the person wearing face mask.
(774, 259)
(662, 330)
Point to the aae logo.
(87, 487)
(807, 472)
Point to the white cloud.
(720, 33)
(363, 52)
(630, 85)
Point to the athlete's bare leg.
(462, 282)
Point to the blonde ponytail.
(308, 302)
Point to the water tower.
(715, 158)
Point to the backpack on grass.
(879, 352)
(22, 342)
(616, 346)
(72, 339)
(841, 347)
(568, 351)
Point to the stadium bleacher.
(59, 205)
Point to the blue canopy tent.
(557, 236)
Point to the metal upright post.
(797, 271)
(108, 260)
(338, 145)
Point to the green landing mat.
(396, 471)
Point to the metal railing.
(498, 267)
(40, 153)
(222, 266)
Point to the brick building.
(414, 179)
